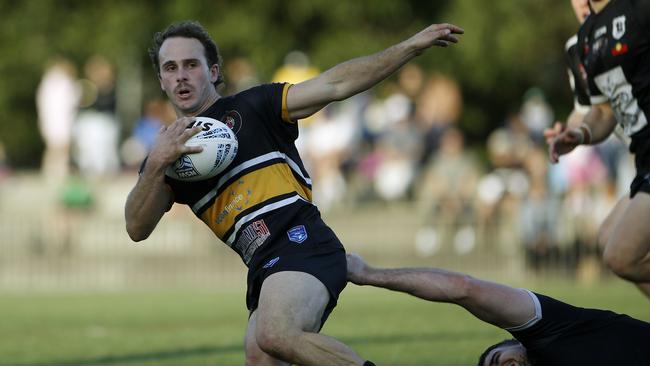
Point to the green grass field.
(207, 328)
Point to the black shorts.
(641, 183)
(640, 147)
(307, 245)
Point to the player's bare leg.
(285, 323)
(627, 252)
(614, 216)
(254, 355)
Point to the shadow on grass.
(198, 351)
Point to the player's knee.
(254, 355)
(279, 344)
(604, 234)
(619, 263)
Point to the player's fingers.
(189, 132)
(182, 124)
(452, 28)
(450, 38)
(549, 132)
(456, 29)
(192, 149)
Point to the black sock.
(368, 363)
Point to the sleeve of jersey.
(576, 75)
(595, 96)
(556, 318)
(275, 96)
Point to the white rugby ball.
(219, 144)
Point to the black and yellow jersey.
(266, 185)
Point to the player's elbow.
(465, 288)
(136, 232)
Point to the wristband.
(586, 133)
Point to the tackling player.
(614, 47)
(547, 332)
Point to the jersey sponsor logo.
(233, 120)
(600, 32)
(615, 86)
(237, 203)
(251, 238)
(184, 167)
(297, 234)
(205, 126)
(618, 27)
(271, 263)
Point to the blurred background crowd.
(443, 163)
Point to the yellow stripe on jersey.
(249, 190)
(285, 110)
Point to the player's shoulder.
(571, 42)
(261, 90)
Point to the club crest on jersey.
(297, 234)
(233, 120)
(618, 27)
(184, 167)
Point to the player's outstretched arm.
(151, 197)
(354, 76)
(596, 126)
(493, 303)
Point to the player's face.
(513, 355)
(185, 75)
(581, 8)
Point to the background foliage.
(509, 47)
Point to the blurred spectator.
(438, 106)
(536, 114)
(447, 190)
(57, 99)
(296, 68)
(96, 128)
(241, 75)
(508, 146)
(501, 190)
(158, 112)
(398, 145)
(539, 214)
(327, 144)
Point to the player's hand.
(357, 269)
(170, 143)
(436, 35)
(564, 143)
(551, 133)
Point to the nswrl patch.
(297, 234)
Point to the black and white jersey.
(568, 335)
(614, 47)
(266, 186)
(577, 75)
